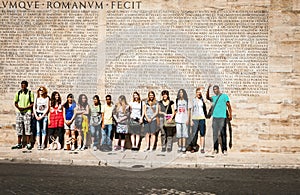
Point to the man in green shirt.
(24, 103)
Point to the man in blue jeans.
(221, 104)
(107, 123)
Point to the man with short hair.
(107, 123)
(24, 103)
(221, 104)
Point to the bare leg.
(153, 137)
(133, 140)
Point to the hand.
(230, 117)
(149, 120)
(192, 123)
(187, 122)
(209, 85)
(141, 121)
(169, 120)
(102, 126)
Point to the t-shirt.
(24, 100)
(182, 111)
(70, 111)
(163, 107)
(136, 109)
(220, 107)
(107, 110)
(150, 110)
(41, 105)
(197, 109)
(95, 110)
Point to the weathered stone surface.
(250, 48)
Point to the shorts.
(199, 125)
(71, 127)
(121, 136)
(23, 122)
(181, 130)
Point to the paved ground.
(17, 178)
(148, 160)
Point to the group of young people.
(67, 125)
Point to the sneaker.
(116, 148)
(72, 147)
(225, 153)
(122, 149)
(183, 149)
(202, 151)
(42, 147)
(95, 148)
(82, 148)
(215, 152)
(17, 146)
(169, 150)
(179, 150)
(163, 150)
(78, 148)
(28, 146)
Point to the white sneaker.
(82, 148)
(73, 147)
(95, 148)
(225, 153)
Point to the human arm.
(207, 93)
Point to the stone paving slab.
(150, 160)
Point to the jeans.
(199, 125)
(106, 133)
(219, 129)
(95, 132)
(41, 126)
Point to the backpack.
(19, 92)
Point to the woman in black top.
(166, 113)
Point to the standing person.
(95, 122)
(107, 124)
(121, 114)
(136, 120)
(56, 118)
(82, 111)
(167, 113)
(198, 122)
(150, 113)
(220, 104)
(24, 103)
(182, 119)
(40, 109)
(69, 116)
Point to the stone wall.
(249, 48)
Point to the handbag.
(134, 122)
(168, 116)
(121, 128)
(211, 110)
(95, 120)
(78, 121)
